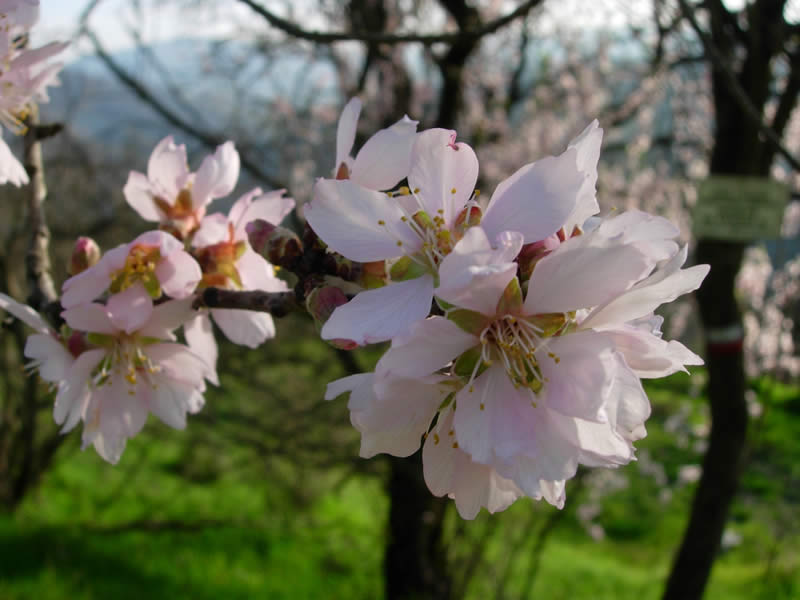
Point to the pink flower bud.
(278, 245)
(85, 254)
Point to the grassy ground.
(263, 497)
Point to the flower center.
(140, 266)
(125, 358)
(218, 262)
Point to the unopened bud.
(278, 245)
(85, 254)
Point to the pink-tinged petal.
(571, 278)
(449, 470)
(130, 309)
(444, 171)
(271, 207)
(241, 205)
(49, 355)
(11, 170)
(381, 314)
(90, 317)
(257, 274)
(579, 371)
(429, 345)
(537, 199)
(598, 445)
(493, 418)
(170, 400)
(113, 416)
(648, 355)
(474, 275)
(177, 362)
(165, 242)
(139, 195)
(69, 405)
(24, 313)
(178, 274)
(346, 131)
(628, 407)
(168, 168)
(361, 224)
(664, 285)
(395, 422)
(199, 333)
(587, 144)
(166, 317)
(213, 230)
(385, 159)
(244, 327)
(89, 284)
(216, 176)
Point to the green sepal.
(405, 269)
(465, 364)
(100, 339)
(469, 320)
(447, 400)
(152, 286)
(511, 300)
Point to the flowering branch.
(391, 38)
(278, 304)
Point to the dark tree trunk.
(415, 565)
(738, 150)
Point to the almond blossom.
(417, 227)
(110, 378)
(227, 260)
(135, 274)
(175, 197)
(539, 381)
(123, 375)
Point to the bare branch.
(278, 304)
(210, 140)
(739, 94)
(390, 38)
(41, 288)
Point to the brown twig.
(278, 304)
(390, 38)
(41, 288)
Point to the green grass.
(263, 496)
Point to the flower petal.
(90, 317)
(11, 170)
(360, 224)
(130, 309)
(537, 199)
(381, 314)
(474, 275)
(24, 313)
(271, 207)
(429, 345)
(244, 327)
(178, 274)
(168, 169)
(216, 176)
(444, 171)
(385, 159)
(199, 333)
(139, 195)
(346, 131)
(68, 406)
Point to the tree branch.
(390, 38)
(278, 304)
(739, 94)
(212, 141)
(41, 289)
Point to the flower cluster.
(116, 357)
(520, 327)
(25, 75)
